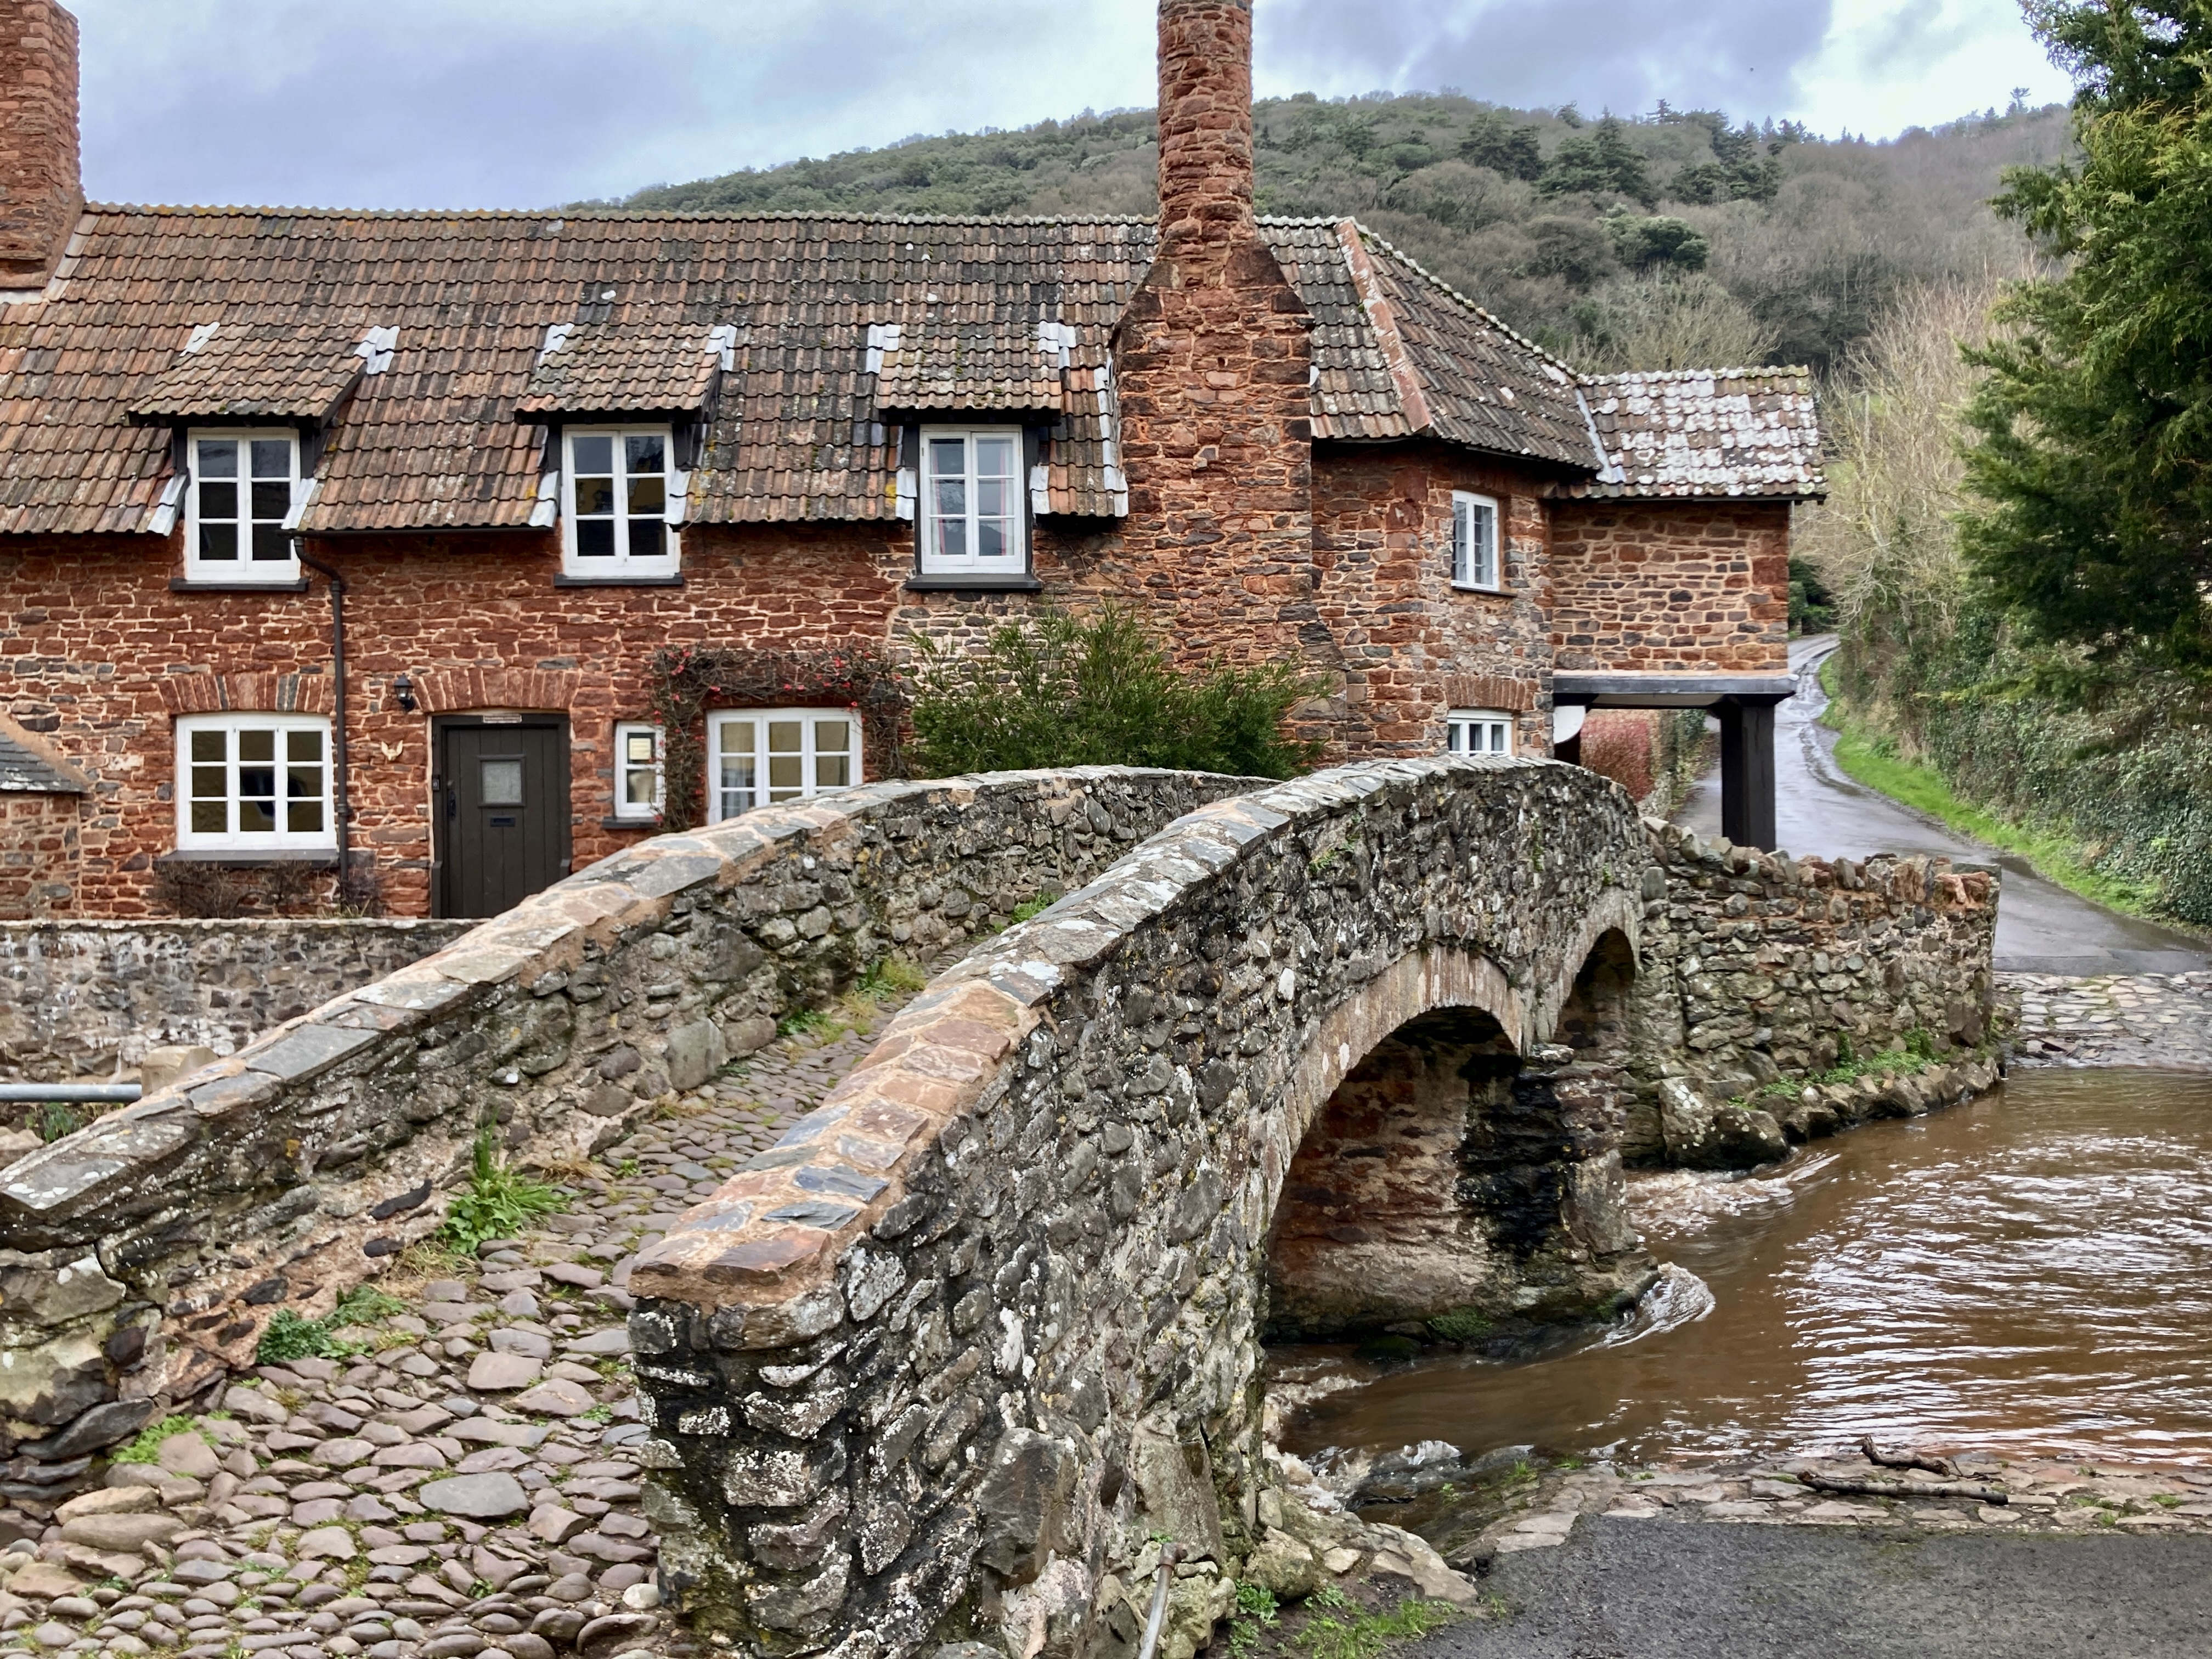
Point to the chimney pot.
(41, 186)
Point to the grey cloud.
(1740, 55)
(492, 103)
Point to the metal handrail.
(69, 1093)
(1170, 1555)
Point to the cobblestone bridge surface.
(470, 1487)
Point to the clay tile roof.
(627, 368)
(943, 364)
(1708, 433)
(797, 427)
(1396, 352)
(275, 369)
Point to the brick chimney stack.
(1205, 129)
(41, 188)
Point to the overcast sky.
(527, 103)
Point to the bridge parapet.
(989, 1317)
(143, 1254)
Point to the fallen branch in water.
(1867, 1486)
(1908, 1460)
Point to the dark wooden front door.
(501, 803)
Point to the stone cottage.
(335, 540)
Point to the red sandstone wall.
(1413, 647)
(40, 192)
(102, 655)
(1656, 586)
(38, 852)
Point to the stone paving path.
(2041, 1495)
(465, 1491)
(2131, 1020)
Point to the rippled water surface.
(2031, 1270)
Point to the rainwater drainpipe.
(340, 802)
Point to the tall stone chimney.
(41, 188)
(1212, 364)
(1205, 129)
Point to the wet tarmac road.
(2041, 927)
(1651, 1589)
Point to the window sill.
(316, 858)
(1495, 591)
(651, 824)
(566, 580)
(210, 585)
(955, 584)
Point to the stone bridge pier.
(1343, 1053)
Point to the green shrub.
(500, 1201)
(1063, 690)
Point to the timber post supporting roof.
(801, 338)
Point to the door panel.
(503, 808)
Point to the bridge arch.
(991, 1316)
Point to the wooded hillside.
(1672, 239)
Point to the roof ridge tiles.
(610, 215)
(1754, 372)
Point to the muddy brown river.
(2031, 1271)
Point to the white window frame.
(935, 561)
(245, 571)
(726, 803)
(620, 565)
(1479, 731)
(1477, 561)
(231, 838)
(627, 811)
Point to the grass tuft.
(147, 1448)
(500, 1201)
(1366, 1635)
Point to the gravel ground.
(465, 1491)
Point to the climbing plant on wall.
(688, 680)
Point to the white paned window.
(616, 491)
(243, 486)
(1475, 541)
(755, 756)
(972, 503)
(637, 771)
(254, 782)
(1478, 731)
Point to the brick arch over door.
(456, 690)
(1022, 1247)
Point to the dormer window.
(239, 505)
(972, 506)
(621, 497)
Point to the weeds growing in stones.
(147, 1448)
(1366, 1635)
(500, 1201)
(1255, 1612)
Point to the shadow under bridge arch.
(1454, 1179)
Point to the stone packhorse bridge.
(1360, 1050)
